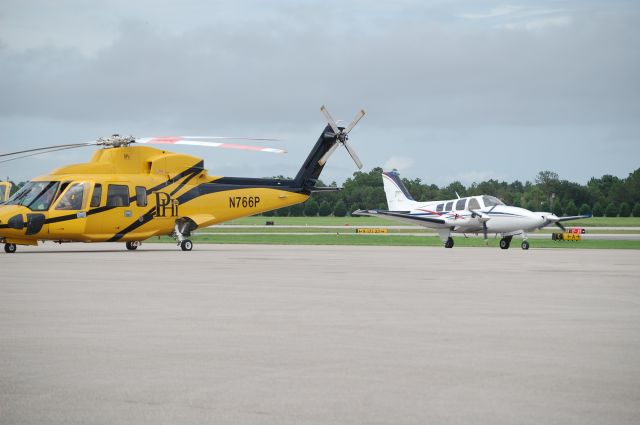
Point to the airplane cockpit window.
(141, 196)
(3, 190)
(97, 195)
(449, 206)
(490, 201)
(440, 207)
(473, 204)
(118, 196)
(73, 198)
(460, 204)
(37, 196)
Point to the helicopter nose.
(11, 218)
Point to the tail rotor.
(341, 134)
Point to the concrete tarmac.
(244, 334)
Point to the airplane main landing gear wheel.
(10, 248)
(449, 243)
(133, 245)
(186, 245)
(525, 245)
(504, 243)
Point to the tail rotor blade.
(353, 155)
(330, 120)
(327, 154)
(355, 120)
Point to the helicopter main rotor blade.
(330, 120)
(54, 147)
(184, 140)
(355, 120)
(63, 148)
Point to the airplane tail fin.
(398, 197)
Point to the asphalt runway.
(244, 334)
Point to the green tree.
(585, 209)
(570, 208)
(311, 208)
(325, 209)
(340, 210)
(598, 209)
(557, 208)
(296, 210)
(625, 210)
(612, 210)
(544, 206)
(636, 209)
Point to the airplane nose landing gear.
(525, 245)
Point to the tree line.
(608, 195)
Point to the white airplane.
(473, 214)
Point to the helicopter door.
(68, 216)
(119, 215)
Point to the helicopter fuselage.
(131, 194)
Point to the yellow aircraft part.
(133, 193)
(5, 191)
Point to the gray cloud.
(503, 89)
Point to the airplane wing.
(403, 216)
(574, 217)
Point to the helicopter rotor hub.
(115, 141)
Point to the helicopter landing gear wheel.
(186, 245)
(449, 243)
(133, 245)
(10, 248)
(525, 245)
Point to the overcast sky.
(454, 90)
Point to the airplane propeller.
(482, 218)
(342, 135)
(552, 219)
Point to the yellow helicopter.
(129, 193)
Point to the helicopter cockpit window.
(97, 195)
(73, 198)
(36, 196)
(473, 204)
(491, 201)
(141, 196)
(118, 196)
